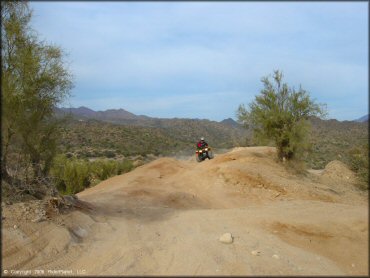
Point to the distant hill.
(92, 133)
(80, 111)
(179, 126)
(363, 119)
(107, 115)
(94, 138)
(231, 122)
(333, 140)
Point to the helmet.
(202, 139)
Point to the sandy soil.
(166, 218)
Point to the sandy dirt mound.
(337, 170)
(166, 218)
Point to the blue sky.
(203, 59)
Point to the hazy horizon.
(172, 117)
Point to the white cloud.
(186, 47)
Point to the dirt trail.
(166, 218)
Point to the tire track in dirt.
(165, 218)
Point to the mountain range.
(130, 134)
(121, 116)
(90, 133)
(363, 119)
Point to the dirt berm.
(166, 218)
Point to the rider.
(201, 144)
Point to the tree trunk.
(4, 172)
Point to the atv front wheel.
(198, 158)
(210, 155)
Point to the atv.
(204, 153)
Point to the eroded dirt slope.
(166, 218)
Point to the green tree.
(280, 113)
(34, 80)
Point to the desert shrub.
(280, 114)
(109, 169)
(359, 162)
(103, 169)
(80, 154)
(69, 154)
(124, 166)
(70, 175)
(96, 153)
(76, 176)
(57, 172)
(109, 153)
